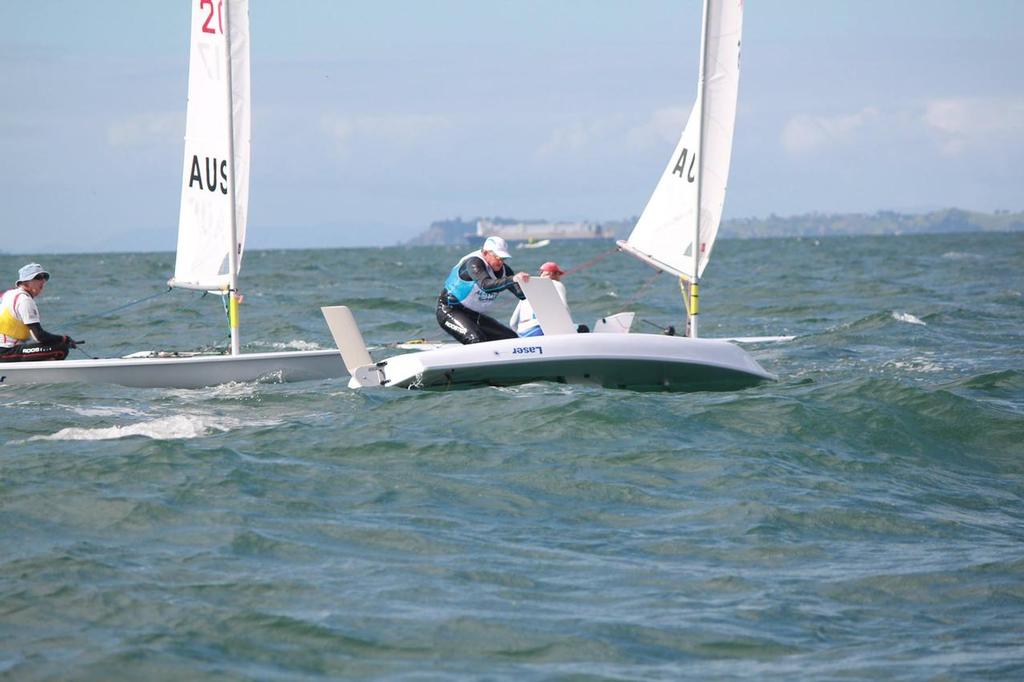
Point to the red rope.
(643, 287)
(592, 262)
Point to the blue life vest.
(468, 293)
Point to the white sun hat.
(30, 272)
(497, 246)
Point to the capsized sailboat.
(608, 357)
(675, 234)
(211, 227)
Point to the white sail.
(699, 167)
(215, 178)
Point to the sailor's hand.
(521, 277)
(70, 342)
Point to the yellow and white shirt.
(17, 310)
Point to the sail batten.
(665, 229)
(215, 173)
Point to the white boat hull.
(631, 361)
(184, 372)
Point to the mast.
(678, 226)
(694, 288)
(215, 177)
(233, 251)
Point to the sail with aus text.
(698, 170)
(215, 178)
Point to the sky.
(373, 119)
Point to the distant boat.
(211, 225)
(666, 236)
(531, 244)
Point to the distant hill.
(455, 230)
(451, 231)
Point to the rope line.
(639, 292)
(76, 320)
(643, 287)
(91, 357)
(592, 262)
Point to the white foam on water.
(161, 428)
(103, 411)
(907, 317)
(924, 365)
(297, 344)
(231, 390)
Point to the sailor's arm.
(515, 288)
(477, 271)
(43, 336)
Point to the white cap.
(497, 246)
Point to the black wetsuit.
(462, 322)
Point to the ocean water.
(862, 518)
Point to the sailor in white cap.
(471, 289)
(22, 337)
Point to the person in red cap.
(523, 319)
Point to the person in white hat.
(523, 319)
(471, 289)
(22, 337)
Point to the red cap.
(552, 266)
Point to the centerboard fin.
(551, 312)
(346, 334)
(619, 323)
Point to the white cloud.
(805, 134)
(662, 129)
(402, 130)
(956, 125)
(143, 129)
(964, 123)
(577, 136)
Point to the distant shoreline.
(945, 221)
(811, 225)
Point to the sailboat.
(674, 234)
(211, 225)
(532, 243)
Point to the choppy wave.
(233, 390)
(927, 363)
(161, 428)
(297, 344)
(106, 411)
(859, 518)
(1008, 382)
(907, 317)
